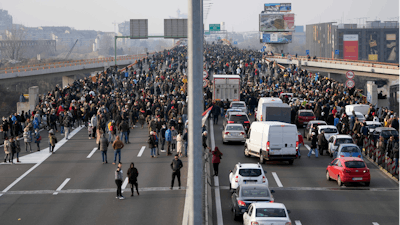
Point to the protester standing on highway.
(314, 141)
(185, 139)
(38, 138)
(102, 146)
(52, 141)
(7, 150)
(162, 136)
(152, 144)
(174, 134)
(67, 124)
(216, 159)
(119, 177)
(179, 144)
(132, 175)
(27, 139)
(117, 146)
(321, 142)
(17, 147)
(13, 149)
(176, 166)
(168, 139)
(93, 122)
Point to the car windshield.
(350, 149)
(360, 116)
(250, 172)
(388, 133)
(234, 128)
(270, 212)
(343, 141)
(237, 118)
(260, 192)
(329, 130)
(306, 114)
(354, 164)
(237, 105)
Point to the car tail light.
(237, 179)
(267, 146)
(230, 122)
(264, 179)
(288, 223)
(242, 133)
(271, 201)
(254, 223)
(241, 203)
(226, 132)
(341, 155)
(366, 171)
(359, 156)
(246, 121)
(261, 118)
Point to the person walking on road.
(27, 139)
(133, 173)
(119, 177)
(314, 141)
(176, 166)
(52, 141)
(321, 142)
(117, 146)
(102, 146)
(152, 144)
(216, 159)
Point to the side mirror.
(272, 191)
(288, 211)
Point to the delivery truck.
(226, 87)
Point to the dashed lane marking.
(278, 182)
(297, 222)
(141, 151)
(91, 153)
(61, 186)
(375, 223)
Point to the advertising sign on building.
(277, 37)
(276, 22)
(350, 46)
(278, 7)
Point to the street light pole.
(195, 95)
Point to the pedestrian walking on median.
(119, 177)
(133, 173)
(117, 146)
(176, 166)
(103, 147)
(216, 160)
(52, 141)
(314, 141)
(27, 139)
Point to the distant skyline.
(238, 15)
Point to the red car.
(303, 117)
(348, 170)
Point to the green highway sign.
(215, 27)
(206, 32)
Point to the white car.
(360, 117)
(260, 213)
(239, 105)
(336, 140)
(329, 131)
(233, 132)
(247, 173)
(371, 125)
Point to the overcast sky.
(239, 15)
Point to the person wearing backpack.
(168, 139)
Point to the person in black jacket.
(133, 173)
(321, 142)
(314, 141)
(162, 132)
(176, 166)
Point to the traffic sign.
(205, 74)
(350, 83)
(205, 83)
(336, 52)
(215, 27)
(307, 52)
(350, 74)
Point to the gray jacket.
(103, 144)
(119, 175)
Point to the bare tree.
(14, 37)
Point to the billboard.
(278, 7)
(350, 46)
(139, 29)
(276, 22)
(277, 37)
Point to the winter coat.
(179, 143)
(103, 144)
(117, 144)
(314, 141)
(132, 175)
(52, 139)
(174, 134)
(17, 146)
(27, 136)
(152, 141)
(216, 156)
(7, 147)
(94, 121)
(168, 135)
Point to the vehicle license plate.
(357, 178)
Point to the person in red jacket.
(301, 142)
(216, 159)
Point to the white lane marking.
(61, 186)
(216, 182)
(278, 182)
(124, 184)
(297, 222)
(141, 151)
(308, 147)
(91, 153)
(185, 219)
(58, 145)
(375, 223)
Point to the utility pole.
(195, 94)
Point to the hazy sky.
(239, 15)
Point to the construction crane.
(69, 53)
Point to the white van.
(272, 141)
(357, 108)
(273, 109)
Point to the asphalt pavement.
(305, 191)
(69, 187)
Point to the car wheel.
(291, 161)
(328, 178)
(367, 184)
(234, 215)
(339, 181)
(262, 160)
(246, 152)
